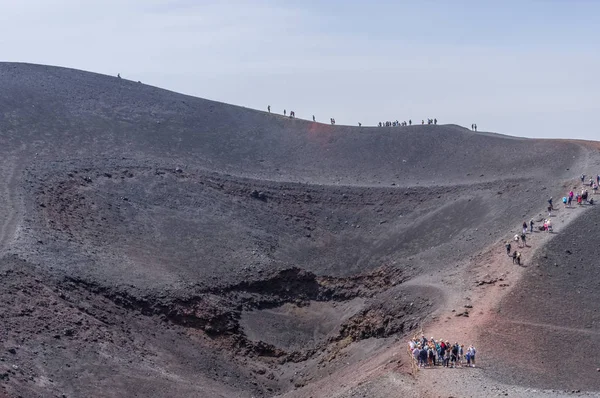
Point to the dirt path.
(488, 278)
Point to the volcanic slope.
(164, 245)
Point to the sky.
(525, 68)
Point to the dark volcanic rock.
(165, 245)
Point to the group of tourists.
(428, 353)
(516, 255)
(580, 198)
(292, 113)
(520, 240)
(398, 123)
(395, 123)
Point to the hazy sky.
(526, 68)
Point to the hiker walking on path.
(507, 245)
(531, 225)
(524, 227)
(582, 178)
(514, 257)
(454, 354)
(468, 358)
(523, 238)
(472, 351)
(570, 198)
(518, 258)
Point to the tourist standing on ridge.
(314, 120)
(435, 121)
(409, 122)
(284, 112)
(269, 108)
(475, 125)
(359, 124)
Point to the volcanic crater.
(157, 244)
